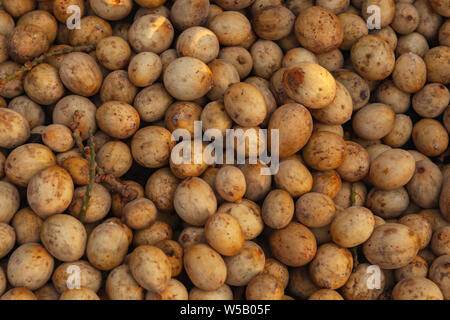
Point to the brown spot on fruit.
(294, 78)
(389, 231)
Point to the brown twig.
(31, 64)
(117, 186)
(74, 126)
(96, 174)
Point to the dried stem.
(31, 64)
(92, 169)
(100, 176)
(96, 174)
(117, 186)
(74, 126)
